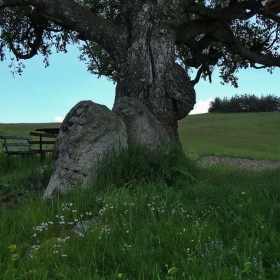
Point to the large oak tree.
(148, 46)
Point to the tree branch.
(186, 31)
(72, 16)
(15, 3)
(223, 34)
(32, 45)
(198, 75)
(234, 10)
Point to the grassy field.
(156, 216)
(23, 129)
(245, 135)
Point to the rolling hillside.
(245, 135)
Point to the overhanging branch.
(15, 3)
(72, 16)
(223, 34)
(188, 30)
(19, 55)
(234, 10)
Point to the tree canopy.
(148, 47)
(226, 34)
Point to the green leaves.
(246, 103)
(98, 61)
(247, 33)
(108, 9)
(26, 32)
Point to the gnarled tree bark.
(140, 37)
(147, 69)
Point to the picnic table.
(44, 133)
(48, 130)
(26, 145)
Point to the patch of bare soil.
(240, 162)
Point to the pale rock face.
(142, 126)
(88, 131)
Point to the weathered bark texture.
(142, 46)
(138, 40)
(148, 72)
(87, 133)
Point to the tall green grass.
(156, 216)
(20, 175)
(245, 135)
(23, 129)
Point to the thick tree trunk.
(148, 71)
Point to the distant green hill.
(246, 135)
(23, 129)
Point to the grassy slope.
(23, 129)
(218, 227)
(245, 135)
(160, 224)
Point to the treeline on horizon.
(245, 103)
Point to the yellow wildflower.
(12, 247)
(243, 193)
(189, 257)
(172, 270)
(120, 275)
(15, 257)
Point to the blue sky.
(47, 94)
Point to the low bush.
(245, 103)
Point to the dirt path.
(241, 162)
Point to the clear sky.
(47, 94)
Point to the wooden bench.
(42, 151)
(24, 145)
(17, 145)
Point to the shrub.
(245, 103)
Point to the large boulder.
(142, 126)
(88, 131)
